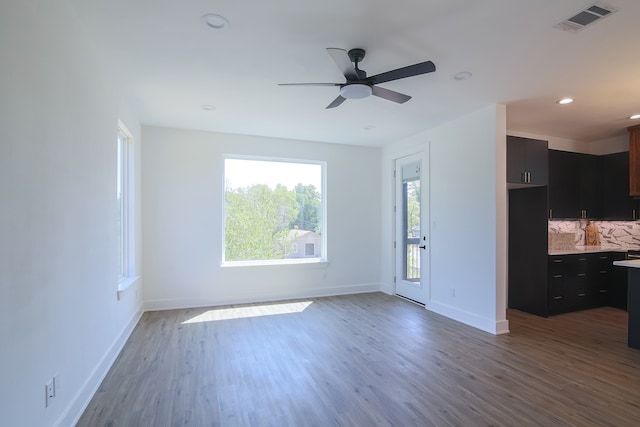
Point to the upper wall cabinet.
(634, 161)
(591, 201)
(527, 162)
(564, 185)
(617, 203)
(575, 185)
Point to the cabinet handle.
(633, 214)
(604, 257)
(557, 297)
(581, 295)
(582, 259)
(557, 276)
(603, 271)
(557, 260)
(581, 274)
(528, 177)
(550, 213)
(603, 291)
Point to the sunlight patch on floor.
(216, 314)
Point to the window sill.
(127, 282)
(284, 262)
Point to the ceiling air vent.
(585, 17)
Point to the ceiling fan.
(358, 85)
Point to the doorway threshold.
(410, 300)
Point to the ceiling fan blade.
(401, 73)
(310, 84)
(390, 95)
(339, 100)
(341, 58)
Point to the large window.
(125, 207)
(272, 208)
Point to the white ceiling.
(171, 64)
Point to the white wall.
(182, 221)
(468, 217)
(59, 309)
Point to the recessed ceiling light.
(462, 75)
(215, 21)
(207, 107)
(635, 117)
(565, 101)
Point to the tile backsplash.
(612, 233)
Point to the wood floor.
(368, 360)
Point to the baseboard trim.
(80, 401)
(492, 326)
(180, 303)
(502, 327)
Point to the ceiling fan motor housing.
(355, 91)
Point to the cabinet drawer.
(560, 298)
(604, 261)
(599, 296)
(568, 265)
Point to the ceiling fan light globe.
(355, 91)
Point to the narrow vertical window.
(125, 207)
(411, 221)
(120, 206)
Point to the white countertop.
(631, 263)
(593, 249)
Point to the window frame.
(125, 183)
(323, 209)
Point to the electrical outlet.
(49, 393)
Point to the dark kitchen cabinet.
(634, 161)
(528, 250)
(618, 294)
(607, 280)
(591, 185)
(569, 283)
(581, 281)
(527, 161)
(564, 184)
(575, 185)
(617, 204)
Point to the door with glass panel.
(411, 219)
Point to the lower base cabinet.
(611, 286)
(581, 281)
(568, 283)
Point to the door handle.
(423, 247)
